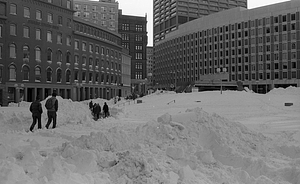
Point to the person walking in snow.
(97, 110)
(105, 110)
(36, 110)
(52, 107)
(91, 105)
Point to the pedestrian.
(105, 110)
(97, 111)
(94, 109)
(36, 110)
(52, 107)
(91, 105)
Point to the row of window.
(59, 75)
(39, 15)
(38, 34)
(94, 8)
(138, 27)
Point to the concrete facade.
(169, 14)
(257, 48)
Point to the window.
(90, 61)
(76, 59)
(38, 15)
(49, 55)
(68, 57)
(68, 40)
(58, 76)
(50, 18)
(83, 46)
(12, 73)
(1, 31)
(68, 4)
(60, 20)
(38, 34)
(26, 12)
(25, 73)
(38, 54)
(25, 52)
(125, 27)
(68, 76)
(139, 28)
(26, 32)
(59, 56)
(49, 36)
(13, 29)
(13, 9)
(83, 60)
(12, 51)
(76, 45)
(1, 50)
(38, 74)
(69, 22)
(49, 74)
(59, 38)
(91, 48)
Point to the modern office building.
(133, 30)
(43, 48)
(258, 48)
(103, 13)
(169, 14)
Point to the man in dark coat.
(91, 105)
(36, 110)
(97, 110)
(52, 111)
(105, 110)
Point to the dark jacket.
(55, 107)
(36, 108)
(105, 108)
(97, 109)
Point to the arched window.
(49, 55)
(25, 70)
(49, 75)
(58, 75)
(38, 54)
(13, 9)
(12, 73)
(68, 76)
(102, 78)
(59, 56)
(25, 52)
(90, 61)
(12, 51)
(68, 57)
(38, 74)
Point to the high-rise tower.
(169, 14)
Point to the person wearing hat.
(36, 110)
(52, 107)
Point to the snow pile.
(192, 146)
(291, 90)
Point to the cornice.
(50, 6)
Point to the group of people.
(52, 107)
(96, 110)
(37, 111)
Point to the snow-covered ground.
(193, 138)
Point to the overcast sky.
(144, 7)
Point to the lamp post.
(18, 88)
(220, 71)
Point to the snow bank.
(188, 147)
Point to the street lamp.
(18, 88)
(220, 71)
